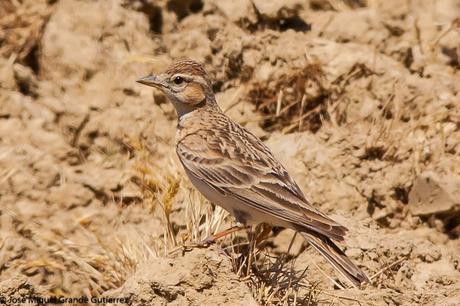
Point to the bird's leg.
(213, 238)
(264, 233)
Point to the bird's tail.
(337, 258)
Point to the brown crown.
(188, 67)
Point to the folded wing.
(241, 166)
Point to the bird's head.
(186, 84)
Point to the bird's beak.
(152, 80)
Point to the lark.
(234, 169)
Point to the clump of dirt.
(21, 27)
(433, 197)
(198, 277)
(359, 99)
(15, 289)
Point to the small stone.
(433, 194)
(354, 252)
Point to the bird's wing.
(237, 164)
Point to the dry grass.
(89, 261)
(296, 102)
(162, 187)
(273, 280)
(93, 268)
(303, 98)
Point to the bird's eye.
(178, 80)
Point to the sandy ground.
(359, 99)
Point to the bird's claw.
(206, 243)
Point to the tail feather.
(337, 258)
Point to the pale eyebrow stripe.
(195, 78)
(182, 75)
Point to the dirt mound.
(359, 99)
(197, 278)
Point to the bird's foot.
(210, 240)
(206, 243)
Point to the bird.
(234, 169)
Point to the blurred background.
(359, 99)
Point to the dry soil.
(359, 99)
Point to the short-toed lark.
(234, 169)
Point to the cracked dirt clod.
(197, 278)
(433, 194)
